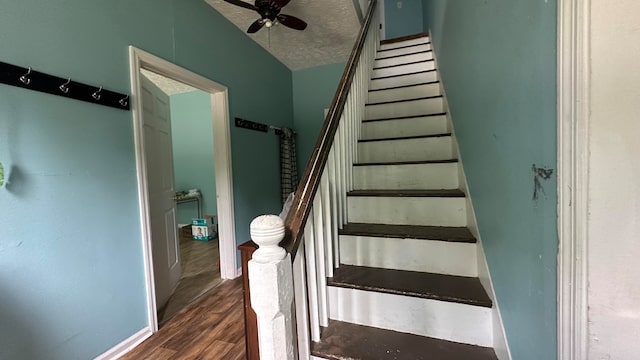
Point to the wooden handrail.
(303, 200)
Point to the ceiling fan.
(269, 11)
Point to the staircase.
(407, 286)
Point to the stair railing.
(288, 282)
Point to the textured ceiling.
(168, 86)
(333, 26)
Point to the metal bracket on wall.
(26, 78)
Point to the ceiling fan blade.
(280, 3)
(292, 22)
(242, 4)
(257, 25)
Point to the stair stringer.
(500, 344)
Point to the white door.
(156, 121)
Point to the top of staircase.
(408, 53)
(404, 38)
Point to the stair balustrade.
(287, 282)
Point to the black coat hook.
(96, 95)
(27, 78)
(65, 87)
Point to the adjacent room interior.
(194, 181)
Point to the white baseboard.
(500, 343)
(127, 345)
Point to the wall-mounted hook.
(30, 79)
(124, 101)
(25, 78)
(96, 95)
(65, 87)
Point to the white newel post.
(271, 284)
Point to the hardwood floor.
(210, 328)
(200, 273)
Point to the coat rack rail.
(26, 78)
(252, 125)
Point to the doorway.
(158, 208)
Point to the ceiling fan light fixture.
(269, 11)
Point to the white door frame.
(573, 155)
(222, 158)
(383, 24)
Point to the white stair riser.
(404, 108)
(403, 80)
(421, 149)
(410, 92)
(402, 51)
(439, 319)
(409, 176)
(404, 69)
(440, 257)
(418, 126)
(403, 59)
(433, 211)
(417, 41)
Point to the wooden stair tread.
(407, 74)
(403, 47)
(405, 117)
(399, 138)
(408, 193)
(343, 340)
(415, 162)
(405, 54)
(404, 100)
(452, 288)
(405, 86)
(403, 64)
(404, 38)
(440, 233)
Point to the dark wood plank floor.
(200, 273)
(210, 328)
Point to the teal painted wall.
(193, 165)
(498, 64)
(403, 21)
(259, 90)
(71, 268)
(313, 91)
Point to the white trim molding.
(573, 154)
(500, 342)
(222, 162)
(125, 346)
